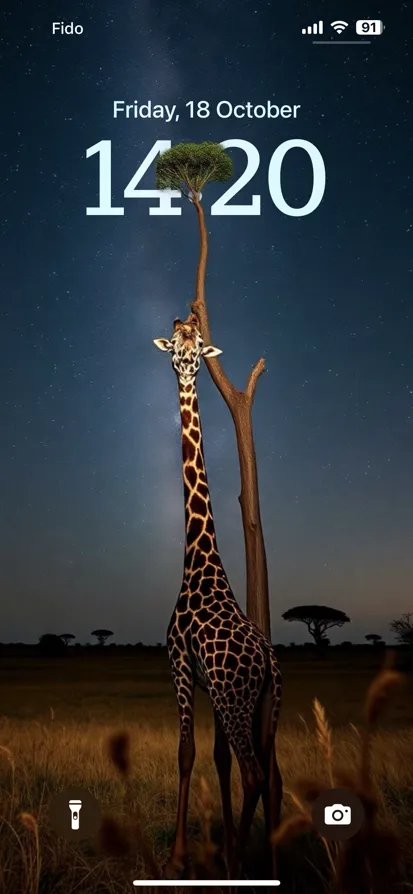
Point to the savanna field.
(58, 715)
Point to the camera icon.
(337, 815)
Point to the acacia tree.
(102, 635)
(66, 637)
(318, 619)
(375, 639)
(188, 167)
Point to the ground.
(55, 719)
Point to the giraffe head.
(186, 347)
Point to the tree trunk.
(240, 406)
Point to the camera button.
(338, 814)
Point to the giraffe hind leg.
(264, 741)
(272, 805)
(272, 788)
(252, 782)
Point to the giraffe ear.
(163, 344)
(210, 351)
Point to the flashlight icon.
(75, 808)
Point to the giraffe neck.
(200, 544)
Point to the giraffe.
(213, 644)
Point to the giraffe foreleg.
(223, 760)
(184, 687)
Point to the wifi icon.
(339, 27)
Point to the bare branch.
(253, 377)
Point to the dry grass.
(370, 862)
(135, 780)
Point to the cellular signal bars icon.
(313, 29)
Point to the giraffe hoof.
(173, 869)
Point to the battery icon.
(369, 27)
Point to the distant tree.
(375, 639)
(318, 619)
(66, 637)
(102, 635)
(51, 645)
(346, 644)
(403, 629)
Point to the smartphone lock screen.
(206, 440)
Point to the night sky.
(91, 493)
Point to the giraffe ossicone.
(213, 644)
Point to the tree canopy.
(66, 637)
(102, 635)
(189, 166)
(317, 618)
